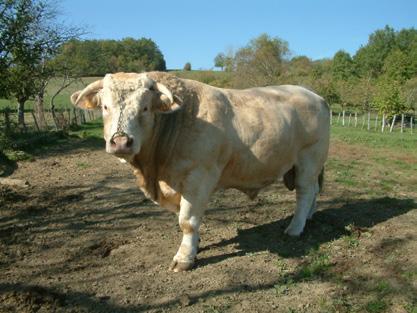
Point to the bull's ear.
(88, 98)
(163, 100)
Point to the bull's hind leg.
(307, 171)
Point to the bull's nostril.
(129, 142)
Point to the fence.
(374, 121)
(61, 119)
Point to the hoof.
(293, 232)
(180, 266)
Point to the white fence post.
(343, 118)
(376, 122)
(356, 119)
(402, 122)
(350, 117)
(383, 123)
(369, 121)
(393, 122)
(363, 121)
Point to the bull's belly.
(251, 179)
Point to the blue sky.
(195, 31)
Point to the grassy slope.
(61, 101)
(215, 78)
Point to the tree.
(187, 66)
(370, 58)
(409, 94)
(342, 68)
(388, 98)
(220, 60)
(36, 39)
(98, 57)
(397, 66)
(261, 62)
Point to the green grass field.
(215, 78)
(61, 101)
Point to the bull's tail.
(321, 180)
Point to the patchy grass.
(373, 139)
(26, 146)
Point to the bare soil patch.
(82, 238)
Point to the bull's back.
(267, 129)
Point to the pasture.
(82, 238)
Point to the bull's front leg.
(198, 187)
(189, 221)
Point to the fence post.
(376, 122)
(363, 121)
(393, 122)
(7, 118)
(343, 118)
(369, 121)
(356, 119)
(402, 122)
(36, 122)
(74, 119)
(383, 123)
(350, 117)
(338, 118)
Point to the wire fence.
(61, 119)
(372, 121)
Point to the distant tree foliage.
(381, 75)
(187, 66)
(261, 62)
(98, 57)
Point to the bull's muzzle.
(121, 144)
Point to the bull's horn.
(165, 91)
(93, 87)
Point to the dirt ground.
(82, 238)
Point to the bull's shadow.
(327, 225)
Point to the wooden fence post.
(74, 119)
(343, 118)
(393, 122)
(7, 118)
(36, 122)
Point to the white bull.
(186, 139)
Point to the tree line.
(35, 47)
(381, 75)
(98, 57)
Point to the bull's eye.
(145, 109)
(105, 107)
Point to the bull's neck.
(157, 151)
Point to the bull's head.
(129, 103)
